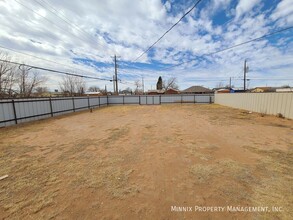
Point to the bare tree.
(72, 85)
(128, 89)
(80, 85)
(171, 83)
(94, 89)
(40, 91)
(138, 87)
(220, 85)
(28, 80)
(67, 86)
(7, 76)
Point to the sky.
(82, 37)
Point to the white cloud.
(168, 6)
(127, 28)
(245, 6)
(283, 13)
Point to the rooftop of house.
(196, 89)
(92, 93)
(173, 89)
(160, 91)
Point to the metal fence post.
(194, 98)
(14, 111)
(139, 99)
(99, 101)
(73, 104)
(181, 99)
(88, 102)
(210, 99)
(160, 99)
(107, 100)
(123, 99)
(51, 107)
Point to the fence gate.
(150, 100)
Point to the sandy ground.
(145, 162)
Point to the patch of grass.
(262, 114)
(279, 125)
(238, 178)
(28, 186)
(212, 106)
(237, 171)
(148, 126)
(114, 135)
(195, 151)
(116, 182)
(234, 193)
(276, 185)
(204, 173)
(104, 173)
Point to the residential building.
(197, 90)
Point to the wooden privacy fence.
(17, 111)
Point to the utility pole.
(116, 79)
(245, 70)
(142, 85)
(114, 87)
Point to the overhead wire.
(166, 32)
(51, 61)
(30, 9)
(231, 47)
(57, 25)
(50, 22)
(55, 71)
(63, 18)
(208, 54)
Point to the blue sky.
(100, 29)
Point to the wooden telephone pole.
(245, 70)
(116, 78)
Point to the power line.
(51, 61)
(27, 54)
(61, 28)
(186, 13)
(48, 21)
(231, 47)
(63, 18)
(45, 18)
(55, 71)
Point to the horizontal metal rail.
(16, 110)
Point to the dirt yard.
(147, 162)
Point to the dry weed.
(204, 173)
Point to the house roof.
(194, 89)
(156, 91)
(266, 89)
(92, 93)
(173, 89)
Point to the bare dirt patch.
(135, 162)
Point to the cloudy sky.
(83, 36)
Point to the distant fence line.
(267, 103)
(17, 111)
